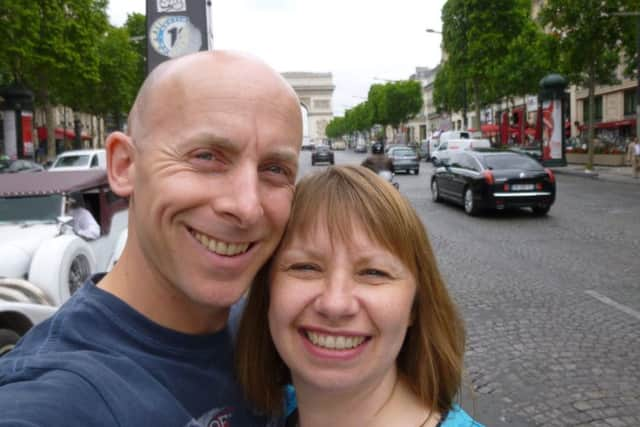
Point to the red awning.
(490, 128)
(613, 124)
(42, 133)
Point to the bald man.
(209, 165)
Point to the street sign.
(176, 28)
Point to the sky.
(359, 41)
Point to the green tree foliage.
(119, 79)
(403, 100)
(590, 44)
(335, 128)
(448, 89)
(136, 24)
(51, 47)
(476, 35)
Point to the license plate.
(522, 187)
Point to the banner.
(27, 134)
(176, 28)
(552, 133)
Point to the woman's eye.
(303, 267)
(374, 272)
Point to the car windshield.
(26, 209)
(509, 161)
(67, 161)
(322, 148)
(404, 153)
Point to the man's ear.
(121, 163)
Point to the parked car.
(44, 261)
(405, 159)
(20, 165)
(322, 154)
(80, 160)
(447, 147)
(494, 179)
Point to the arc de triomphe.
(315, 91)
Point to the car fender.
(61, 265)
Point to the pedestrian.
(633, 157)
(208, 165)
(378, 161)
(359, 319)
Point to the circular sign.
(174, 35)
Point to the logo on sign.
(172, 6)
(174, 36)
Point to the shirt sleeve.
(55, 399)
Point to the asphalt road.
(551, 305)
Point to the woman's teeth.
(218, 247)
(334, 342)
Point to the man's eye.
(277, 169)
(205, 155)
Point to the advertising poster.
(27, 134)
(552, 132)
(176, 28)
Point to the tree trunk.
(49, 113)
(591, 96)
(476, 101)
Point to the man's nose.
(240, 201)
(337, 299)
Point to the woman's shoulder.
(457, 417)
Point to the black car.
(404, 159)
(492, 179)
(322, 154)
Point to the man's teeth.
(334, 342)
(221, 248)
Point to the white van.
(443, 153)
(454, 134)
(80, 160)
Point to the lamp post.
(464, 90)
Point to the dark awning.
(45, 183)
(59, 132)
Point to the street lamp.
(431, 30)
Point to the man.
(84, 224)
(209, 165)
(378, 160)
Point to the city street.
(551, 304)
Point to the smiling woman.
(360, 321)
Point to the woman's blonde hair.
(346, 197)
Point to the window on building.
(597, 113)
(629, 102)
(423, 132)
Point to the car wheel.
(540, 210)
(313, 163)
(469, 204)
(8, 340)
(417, 171)
(331, 161)
(435, 191)
(61, 265)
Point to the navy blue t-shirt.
(98, 362)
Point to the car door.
(463, 171)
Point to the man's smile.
(220, 247)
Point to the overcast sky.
(356, 40)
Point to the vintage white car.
(43, 260)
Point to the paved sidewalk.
(606, 173)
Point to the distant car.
(339, 145)
(404, 159)
(447, 147)
(322, 154)
(494, 179)
(361, 147)
(20, 165)
(307, 144)
(80, 160)
(44, 260)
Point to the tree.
(448, 91)
(476, 34)
(590, 45)
(136, 24)
(51, 47)
(403, 100)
